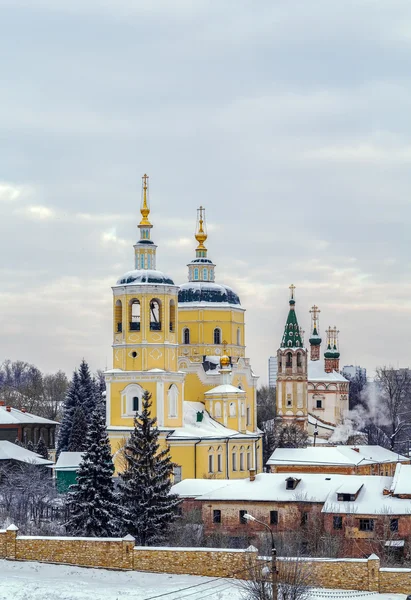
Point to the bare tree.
(266, 408)
(395, 387)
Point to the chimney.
(23, 410)
(356, 450)
(8, 408)
(252, 474)
(2, 403)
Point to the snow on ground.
(36, 581)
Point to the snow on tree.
(88, 389)
(41, 448)
(92, 502)
(78, 434)
(71, 402)
(145, 484)
(30, 446)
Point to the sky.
(289, 121)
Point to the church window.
(172, 315)
(196, 274)
(135, 315)
(148, 261)
(118, 316)
(289, 400)
(211, 463)
(289, 343)
(299, 361)
(238, 337)
(234, 459)
(141, 261)
(217, 410)
(248, 421)
(172, 400)
(205, 274)
(319, 403)
(220, 462)
(232, 410)
(217, 335)
(178, 475)
(136, 401)
(186, 335)
(131, 400)
(155, 315)
(248, 458)
(211, 274)
(242, 458)
(289, 360)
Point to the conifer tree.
(30, 446)
(71, 402)
(145, 484)
(92, 502)
(78, 434)
(88, 389)
(41, 448)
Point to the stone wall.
(211, 562)
(120, 553)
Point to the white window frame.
(172, 401)
(130, 391)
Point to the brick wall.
(117, 553)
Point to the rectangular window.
(304, 519)
(394, 524)
(242, 520)
(210, 463)
(273, 517)
(216, 516)
(234, 457)
(248, 461)
(219, 463)
(337, 522)
(248, 416)
(319, 403)
(241, 461)
(366, 525)
(346, 498)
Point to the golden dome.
(224, 361)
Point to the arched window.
(172, 315)
(232, 409)
(242, 458)
(148, 261)
(248, 458)
(248, 419)
(186, 335)
(211, 274)
(131, 400)
(211, 460)
(217, 335)
(172, 400)
(217, 410)
(299, 361)
(155, 315)
(234, 458)
(205, 274)
(289, 360)
(196, 274)
(219, 459)
(134, 315)
(238, 337)
(141, 261)
(118, 316)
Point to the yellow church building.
(185, 345)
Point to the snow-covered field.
(36, 581)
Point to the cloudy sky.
(288, 120)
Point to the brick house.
(24, 426)
(366, 512)
(346, 460)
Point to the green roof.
(292, 336)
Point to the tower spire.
(292, 334)
(201, 268)
(144, 248)
(315, 339)
(201, 233)
(145, 210)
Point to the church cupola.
(201, 268)
(315, 339)
(145, 249)
(332, 354)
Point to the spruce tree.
(92, 503)
(78, 434)
(88, 389)
(41, 448)
(145, 484)
(30, 446)
(71, 402)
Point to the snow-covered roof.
(17, 417)
(316, 372)
(206, 293)
(208, 428)
(146, 276)
(312, 487)
(226, 388)
(334, 455)
(68, 460)
(10, 451)
(401, 483)
(313, 420)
